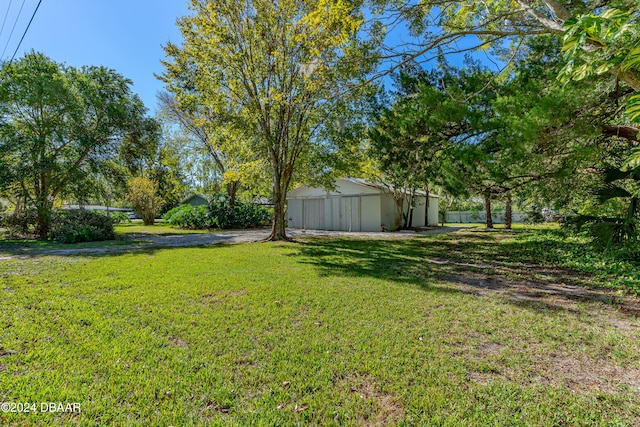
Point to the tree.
(408, 138)
(597, 37)
(234, 162)
(143, 193)
(57, 125)
(267, 71)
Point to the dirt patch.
(388, 409)
(489, 349)
(177, 342)
(236, 293)
(579, 373)
(539, 295)
(585, 374)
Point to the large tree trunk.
(232, 192)
(43, 218)
(508, 212)
(280, 185)
(487, 208)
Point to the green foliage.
(60, 127)
(143, 193)
(21, 222)
(219, 214)
(240, 215)
(533, 215)
(263, 75)
(606, 42)
(120, 217)
(189, 217)
(74, 226)
(619, 186)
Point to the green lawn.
(445, 330)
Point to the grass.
(10, 247)
(439, 330)
(160, 228)
(126, 234)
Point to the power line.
(25, 30)
(5, 17)
(14, 27)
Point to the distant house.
(195, 200)
(68, 206)
(355, 205)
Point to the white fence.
(481, 217)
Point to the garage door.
(345, 214)
(313, 214)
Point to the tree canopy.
(59, 125)
(270, 73)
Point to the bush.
(143, 193)
(73, 226)
(242, 215)
(187, 216)
(534, 215)
(219, 214)
(20, 223)
(248, 215)
(119, 217)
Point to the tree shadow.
(471, 262)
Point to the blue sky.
(126, 35)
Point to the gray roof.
(193, 196)
(383, 186)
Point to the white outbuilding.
(357, 205)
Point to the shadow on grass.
(526, 270)
(475, 262)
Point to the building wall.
(419, 211)
(294, 213)
(352, 207)
(313, 215)
(433, 211)
(342, 188)
(388, 213)
(339, 213)
(370, 212)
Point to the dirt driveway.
(149, 241)
(243, 236)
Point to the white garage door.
(345, 214)
(313, 214)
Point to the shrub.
(219, 214)
(73, 226)
(187, 216)
(247, 215)
(21, 223)
(143, 193)
(119, 217)
(533, 215)
(242, 215)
